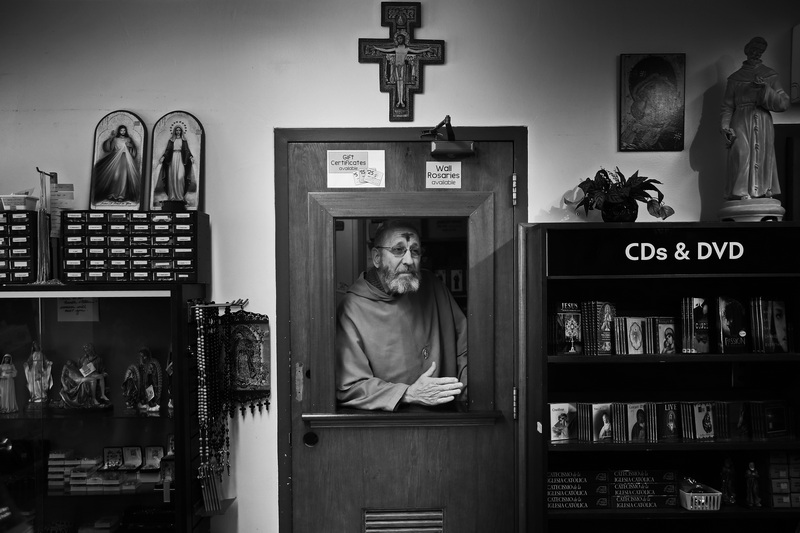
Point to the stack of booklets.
(698, 420)
(614, 489)
(79, 477)
(56, 472)
(645, 335)
(598, 324)
(670, 421)
(574, 490)
(595, 423)
(643, 489)
(735, 324)
(696, 324)
(94, 482)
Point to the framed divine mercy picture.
(117, 182)
(651, 102)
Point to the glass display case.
(95, 403)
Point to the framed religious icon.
(247, 359)
(177, 166)
(652, 99)
(117, 181)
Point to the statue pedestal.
(752, 210)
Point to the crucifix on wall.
(401, 57)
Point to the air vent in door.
(410, 521)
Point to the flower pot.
(625, 211)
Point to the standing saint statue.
(751, 93)
(39, 375)
(8, 391)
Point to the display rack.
(646, 270)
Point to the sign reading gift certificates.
(356, 168)
(440, 175)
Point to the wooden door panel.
(345, 465)
(412, 468)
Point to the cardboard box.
(18, 202)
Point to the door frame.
(517, 135)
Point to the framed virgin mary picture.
(652, 93)
(117, 181)
(177, 166)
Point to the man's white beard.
(399, 282)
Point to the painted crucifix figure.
(401, 57)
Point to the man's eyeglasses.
(400, 250)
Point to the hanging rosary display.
(232, 352)
(212, 401)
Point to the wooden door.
(354, 471)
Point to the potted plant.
(616, 196)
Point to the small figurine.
(39, 374)
(79, 382)
(728, 491)
(8, 391)
(751, 476)
(143, 383)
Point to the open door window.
(461, 231)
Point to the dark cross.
(401, 57)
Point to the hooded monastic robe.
(385, 342)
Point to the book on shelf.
(703, 420)
(619, 422)
(663, 331)
(732, 325)
(598, 323)
(769, 419)
(562, 422)
(769, 325)
(668, 422)
(602, 429)
(637, 421)
(634, 335)
(696, 320)
(606, 311)
(567, 329)
(732, 419)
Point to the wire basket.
(707, 500)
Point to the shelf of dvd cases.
(94, 418)
(660, 348)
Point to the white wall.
(244, 67)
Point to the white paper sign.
(356, 168)
(443, 175)
(77, 310)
